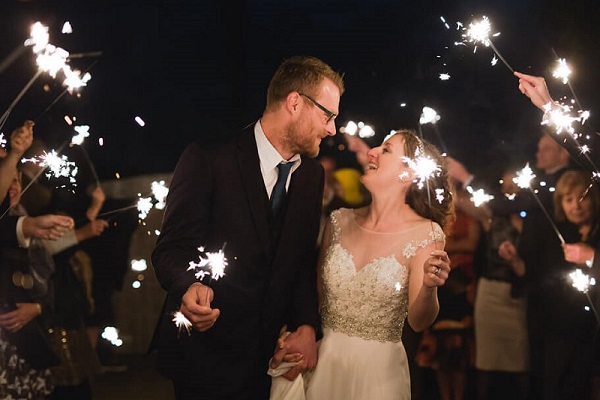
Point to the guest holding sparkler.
(26, 301)
(20, 140)
(567, 330)
(220, 194)
(379, 265)
(559, 122)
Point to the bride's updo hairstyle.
(417, 198)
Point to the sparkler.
(352, 128)
(83, 131)
(58, 166)
(424, 167)
(160, 192)
(50, 59)
(430, 116)
(562, 72)
(479, 196)
(560, 117)
(144, 205)
(213, 265)
(181, 322)
(479, 32)
(582, 282)
(523, 180)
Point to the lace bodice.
(370, 300)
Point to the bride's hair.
(424, 201)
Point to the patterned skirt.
(18, 380)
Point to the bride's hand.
(436, 268)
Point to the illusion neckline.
(354, 221)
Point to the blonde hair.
(568, 183)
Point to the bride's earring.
(403, 176)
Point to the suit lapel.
(254, 186)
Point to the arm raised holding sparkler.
(535, 88)
(20, 140)
(558, 122)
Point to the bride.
(379, 265)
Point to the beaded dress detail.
(365, 278)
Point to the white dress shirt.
(270, 158)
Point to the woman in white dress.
(378, 265)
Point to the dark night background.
(193, 68)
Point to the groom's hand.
(195, 305)
(301, 341)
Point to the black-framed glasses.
(330, 115)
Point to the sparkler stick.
(91, 165)
(4, 117)
(430, 116)
(8, 60)
(67, 89)
(511, 69)
(523, 179)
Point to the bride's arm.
(423, 305)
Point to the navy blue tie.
(278, 194)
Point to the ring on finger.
(437, 270)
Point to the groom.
(260, 192)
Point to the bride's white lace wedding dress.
(365, 303)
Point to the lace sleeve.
(434, 234)
(335, 225)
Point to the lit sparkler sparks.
(144, 205)
(423, 166)
(582, 282)
(444, 77)
(52, 59)
(480, 32)
(58, 165)
(213, 264)
(38, 37)
(361, 129)
(562, 71)
(429, 116)
(181, 322)
(67, 28)
(160, 192)
(439, 195)
(479, 196)
(83, 131)
(560, 117)
(524, 177)
(523, 180)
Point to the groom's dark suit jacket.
(218, 196)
